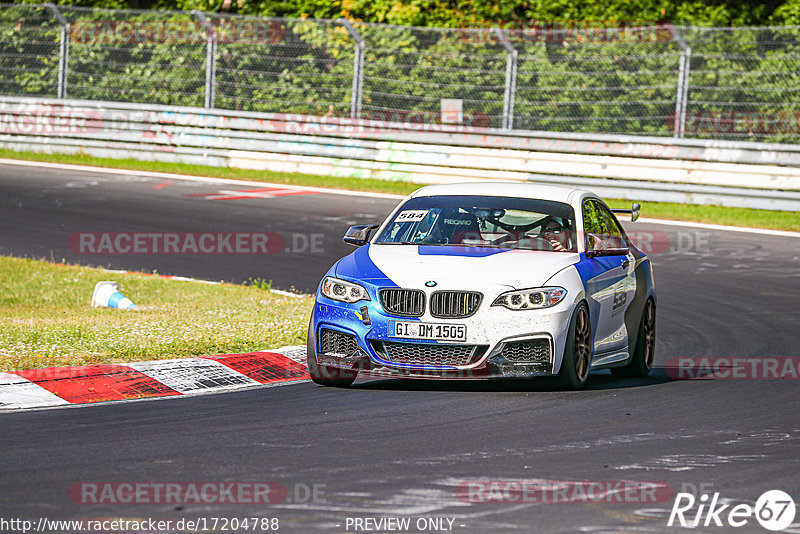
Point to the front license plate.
(435, 331)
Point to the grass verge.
(46, 318)
(776, 220)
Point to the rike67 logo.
(774, 510)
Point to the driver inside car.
(554, 233)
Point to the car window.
(598, 220)
(611, 223)
(482, 221)
(591, 221)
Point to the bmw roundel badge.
(430, 283)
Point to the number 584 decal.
(620, 298)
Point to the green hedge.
(745, 82)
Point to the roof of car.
(502, 189)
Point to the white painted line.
(190, 375)
(186, 279)
(287, 293)
(160, 276)
(205, 179)
(17, 392)
(764, 231)
(345, 192)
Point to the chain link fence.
(408, 71)
(694, 82)
(30, 38)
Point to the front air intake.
(337, 343)
(403, 302)
(429, 354)
(527, 351)
(455, 304)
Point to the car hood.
(452, 267)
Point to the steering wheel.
(548, 245)
(519, 236)
(519, 229)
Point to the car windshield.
(483, 221)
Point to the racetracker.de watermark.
(136, 493)
(563, 491)
(733, 368)
(657, 242)
(379, 122)
(740, 122)
(193, 243)
(571, 31)
(140, 525)
(50, 120)
(106, 32)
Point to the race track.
(404, 448)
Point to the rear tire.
(644, 351)
(574, 370)
(322, 374)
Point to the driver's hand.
(557, 246)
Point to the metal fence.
(692, 82)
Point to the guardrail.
(729, 173)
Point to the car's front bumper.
(497, 336)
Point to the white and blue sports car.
(487, 281)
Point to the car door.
(610, 283)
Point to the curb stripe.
(190, 375)
(264, 367)
(62, 386)
(95, 383)
(17, 392)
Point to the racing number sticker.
(411, 216)
(620, 298)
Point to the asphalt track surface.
(402, 448)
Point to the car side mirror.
(635, 210)
(605, 245)
(359, 235)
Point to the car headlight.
(336, 289)
(531, 299)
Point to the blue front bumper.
(370, 354)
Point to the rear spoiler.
(634, 211)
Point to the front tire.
(322, 374)
(644, 351)
(574, 370)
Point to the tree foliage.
(461, 13)
(744, 82)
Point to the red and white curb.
(62, 386)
